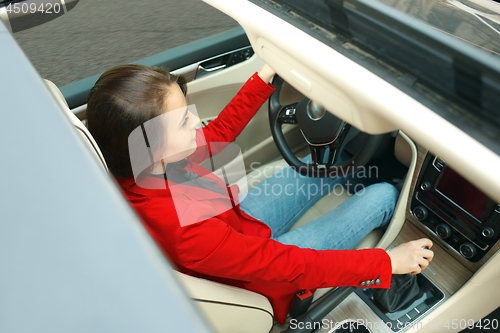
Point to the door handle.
(212, 69)
(223, 61)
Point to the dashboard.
(459, 282)
(465, 219)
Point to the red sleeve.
(214, 248)
(233, 118)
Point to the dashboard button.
(455, 239)
(468, 250)
(443, 230)
(422, 307)
(426, 186)
(421, 213)
(488, 232)
(413, 314)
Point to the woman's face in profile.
(181, 127)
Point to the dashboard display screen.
(465, 195)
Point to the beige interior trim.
(213, 291)
(227, 308)
(234, 75)
(403, 150)
(444, 270)
(354, 308)
(88, 140)
(57, 94)
(5, 18)
(399, 215)
(357, 95)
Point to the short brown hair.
(122, 99)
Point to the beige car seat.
(228, 309)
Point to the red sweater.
(205, 234)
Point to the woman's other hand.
(412, 257)
(266, 73)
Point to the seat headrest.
(81, 129)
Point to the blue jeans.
(281, 199)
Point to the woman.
(148, 135)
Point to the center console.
(464, 225)
(427, 299)
(465, 220)
(455, 210)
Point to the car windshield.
(443, 53)
(474, 21)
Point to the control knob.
(468, 250)
(425, 186)
(488, 232)
(421, 213)
(443, 230)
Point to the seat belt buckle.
(301, 302)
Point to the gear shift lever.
(404, 289)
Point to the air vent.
(438, 163)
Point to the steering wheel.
(321, 130)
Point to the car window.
(97, 35)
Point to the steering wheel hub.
(315, 111)
(318, 126)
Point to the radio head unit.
(455, 210)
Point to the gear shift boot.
(404, 290)
(411, 304)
